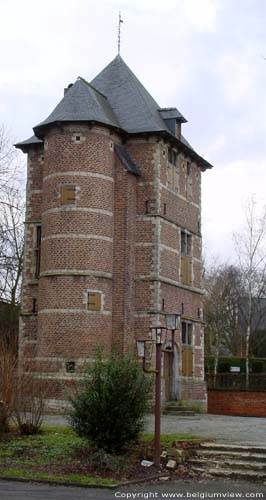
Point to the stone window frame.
(173, 175)
(37, 251)
(186, 258)
(63, 185)
(78, 137)
(102, 300)
(189, 179)
(189, 326)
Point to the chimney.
(67, 88)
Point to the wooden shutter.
(94, 301)
(187, 361)
(186, 270)
(67, 195)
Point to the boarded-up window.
(187, 352)
(187, 361)
(94, 301)
(67, 195)
(37, 251)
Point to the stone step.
(223, 454)
(174, 408)
(179, 413)
(234, 474)
(232, 464)
(233, 447)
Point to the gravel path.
(231, 429)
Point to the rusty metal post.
(157, 432)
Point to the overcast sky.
(206, 57)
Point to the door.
(167, 374)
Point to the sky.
(206, 57)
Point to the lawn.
(57, 454)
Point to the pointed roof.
(116, 98)
(134, 107)
(31, 141)
(81, 102)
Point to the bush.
(8, 375)
(22, 393)
(29, 404)
(110, 408)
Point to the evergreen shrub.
(109, 409)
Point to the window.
(70, 366)
(186, 243)
(67, 195)
(186, 260)
(187, 329)
(189, 180)
(34, 305)
(172, 156)
(187, 353)
(94, 301)
(172, 170)
(37, 251)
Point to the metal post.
(157, 432)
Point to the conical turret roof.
(82, 102)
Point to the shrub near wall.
(110, 408)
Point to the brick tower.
(113, 235)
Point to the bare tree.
(11, 246)
(250, 246)
(9, 162)
(223, 286)
(11, 234)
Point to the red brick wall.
(122, 238)
(244, 403)
(124, 259)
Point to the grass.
(57, 454)
(42, 476)
(168, 439)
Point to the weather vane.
(119, 31)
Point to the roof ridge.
(91, 86)
(140, 84)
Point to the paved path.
(10, 490)
(231, 429)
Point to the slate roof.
(169, 113)
(116, 98)
(82, 102)
(134, 107)
(28, 142)
(126, 160)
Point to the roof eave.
(26, 147)
(39, 129)
(202, 163)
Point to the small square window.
(94, 301)
(67, 195)
(70, 366)
(77, 138)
